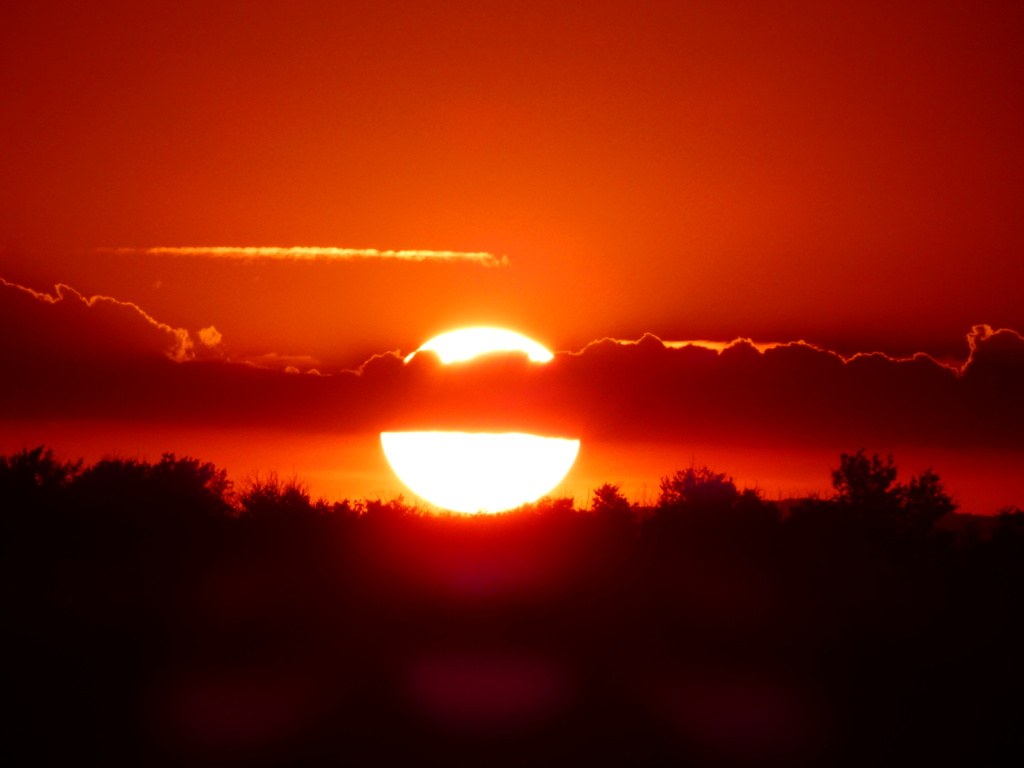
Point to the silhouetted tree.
(868, 488)
(1009, 524)
(616, 518)
(924, 501)
(861, 482)
(751, 510)
(697, 487)
(194, 481)
(609, 502)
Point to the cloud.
(67, 325)
(298, 253)
(995, 354)
(783, 395)
(276, 361)
(210, 337)
(77, 358)
(718, 346)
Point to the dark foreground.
(159, 618)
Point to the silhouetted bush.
(270, 498)
(35, 471)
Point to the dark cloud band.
(72, 357)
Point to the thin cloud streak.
(311, 253)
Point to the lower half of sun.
(479, 472)
(474, 471)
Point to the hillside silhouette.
(163, 615)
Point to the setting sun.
(479, 472)
(474, 472)
(469, 342)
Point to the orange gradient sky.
(848, 175)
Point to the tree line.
(864, 486)
(161, 614)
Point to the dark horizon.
(160, 619)
(251, 482)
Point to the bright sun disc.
(479, 471)
(474, 472)
(469, 342)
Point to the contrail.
(312, 252)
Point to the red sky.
(849, 175)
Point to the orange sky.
(848, 174)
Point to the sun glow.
(469, 342)
(474, 472)
(479, 471)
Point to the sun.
(479, 471)
(474, 472)
(454, 346)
